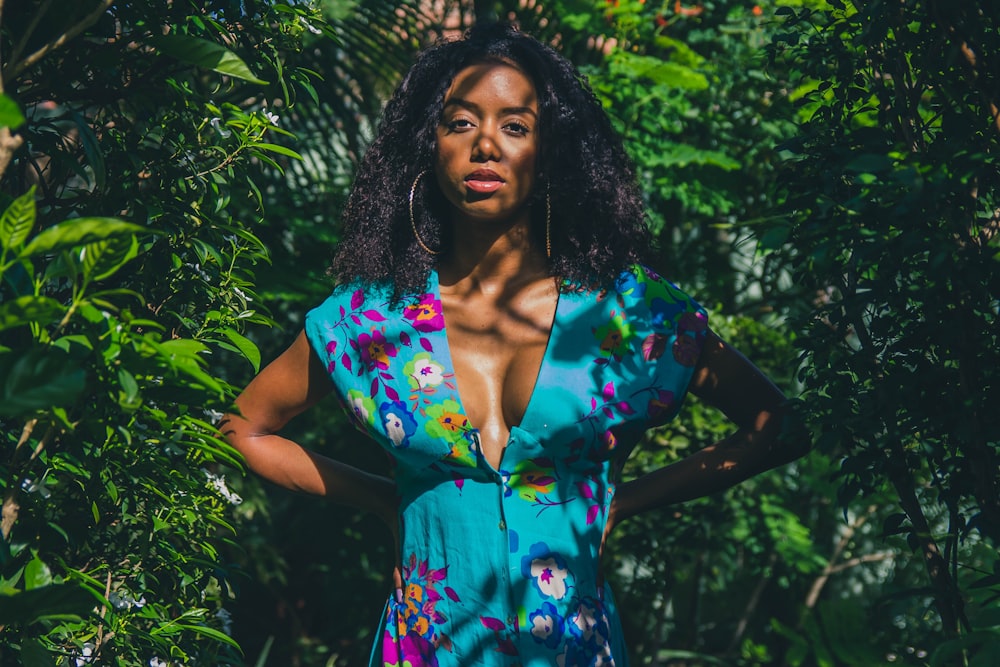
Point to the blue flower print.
(547, 570)
(665, 312)
(398, 422)
(589, 634)
(547, 626)
(628, 285)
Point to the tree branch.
(13, 69)
(751, 606)
(29, 31)
(831, 566)
(9, 143)
(947, 598)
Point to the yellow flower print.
(614, 336)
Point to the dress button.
(503, 525)
(510, 620)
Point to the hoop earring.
(548, 224)
(413, 220)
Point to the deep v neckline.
(529, 408)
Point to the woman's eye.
(458, 124)
(518, 128)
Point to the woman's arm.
(293, 382)
(728, 381)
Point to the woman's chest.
(496, 351)
(575, 382)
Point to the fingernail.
(399, 595)
(600, 593)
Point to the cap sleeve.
(326, 328)
(674, 327)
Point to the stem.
(9, 143)
(11, 500)
(29, 31)
(831, 565)
(947, 598)
(13, 69)
(755, 596)
(100, 628)
(11, 508)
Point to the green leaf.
(203, 53)
(662, 72)
(26, 607)
(130, 389)
(92, 150)
(681, 155)
(182, 355)
(17, 221)
(101, 259)
(211, 633)
(36, 574)
(245, 346)
(26, 309)
(39, 379)
(76, 232)
(870, 163)
(280, 150)
(34, 654)
(10, 114)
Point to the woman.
(493, 329)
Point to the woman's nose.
(485, 147)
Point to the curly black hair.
(598, 225)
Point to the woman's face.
(487, 143)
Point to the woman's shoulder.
(644, 289)
(353, 297)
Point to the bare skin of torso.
(497, 333)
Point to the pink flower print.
(593, 508)
(417, 622)
(696, 322)
(686, 350)
(661, 404)
(426, 315)
(653, 346)
(375, 350)
(418, 650)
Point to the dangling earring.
(548, 223)
(413, 220)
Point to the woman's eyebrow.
(471, 106)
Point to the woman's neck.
(491, 259)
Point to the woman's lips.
(483, 181)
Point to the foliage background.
(822, 175)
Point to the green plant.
(118, 334)
(890, 217)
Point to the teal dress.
(500, 565)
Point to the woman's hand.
(724, 379)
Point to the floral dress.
(500, 566)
